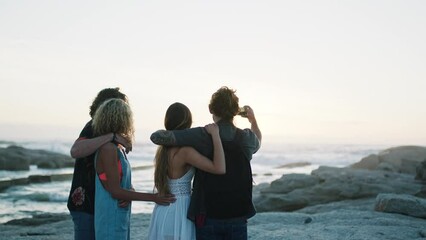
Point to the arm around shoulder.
(108, 163)
(84, 147)
(163, 137)
(193, 137)
(194, 158)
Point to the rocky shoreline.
(380, 197)
(348, 220)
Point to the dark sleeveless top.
(82, 193)
(229, 195)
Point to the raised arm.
(108, 163)
(252, 119)
(194, 158)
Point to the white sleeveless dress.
(170, 222)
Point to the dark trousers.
(223, 229)
(84, 228)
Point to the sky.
(338, 72)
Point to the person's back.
(174, 170)
(229, 195)
(169, 222)
(210, 206)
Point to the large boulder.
(403, 159)
(402, 204)
(331, 184)
(290, 182)
(13, 160)
(19, 158)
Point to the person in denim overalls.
(111, 220)
(113, 174)
(81, 198)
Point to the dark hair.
(224, 103)
(178, 117)
(104, 95)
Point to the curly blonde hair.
(114, 116)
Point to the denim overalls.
(111, 221)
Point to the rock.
(421, 171)
(295, 165)
(331, 184)
(308, 220)
(402, 204)
(4, 184)
(39, 219)
(386, 166)
(290, 182)
(370, 162)
(279, 202)
(421, 193)
(39, 178)
(336, 224)
(363, 204)
(13, 160)
(349, 225)
(19, 158)
(403, 159)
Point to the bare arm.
(252, 119)
(194, 158)
(108, 163)
(86, 146)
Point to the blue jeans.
(223, 229)
(84, 227)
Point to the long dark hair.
(178, 117)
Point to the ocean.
(27, 200)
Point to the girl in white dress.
(174, 169)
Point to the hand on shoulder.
(212, 128)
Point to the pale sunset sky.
(340, 72)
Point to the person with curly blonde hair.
(113, 173)
(81, 198)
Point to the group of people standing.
(215, 159)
